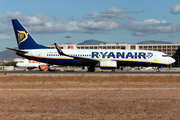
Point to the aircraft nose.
(17, 64)
(172, 60)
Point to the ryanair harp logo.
(22, 36)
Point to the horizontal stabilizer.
(19, 51)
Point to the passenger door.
(155, 57)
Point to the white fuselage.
(29, 63)
(103, 58)
(122, 57)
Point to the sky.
(112, 21)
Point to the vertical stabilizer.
(24, 38)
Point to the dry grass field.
(88, 97)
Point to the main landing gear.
(91, 69)
(157, 69)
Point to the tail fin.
(24, 38)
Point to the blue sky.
(129, 21)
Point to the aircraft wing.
(76, 58)
(17, 51)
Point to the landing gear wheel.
(49, 69)
(120, 68)
(157, 70)
(91, 69)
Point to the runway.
(34, 72)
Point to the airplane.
(91, 58)
(31, 64)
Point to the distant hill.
(154, 42)
(97, 42)
(8, 55)
(92, 42)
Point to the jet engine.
(108, 64)
(42, 67)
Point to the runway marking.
(80, 89)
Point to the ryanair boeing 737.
(103, 58)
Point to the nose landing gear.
(157, 69)
(91, 69)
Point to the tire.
(91, 69)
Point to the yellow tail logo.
(22, 36)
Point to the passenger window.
(164, 55)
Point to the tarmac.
(138, 72)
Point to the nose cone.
(172, 60)
(17, 64)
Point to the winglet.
(59, 49)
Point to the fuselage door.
(155, 57)
(39, 55)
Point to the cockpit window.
(21, 62)
(165, 56)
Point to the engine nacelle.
(107, 64)
(42, 67)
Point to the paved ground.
(89, 100)
(138, 72)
